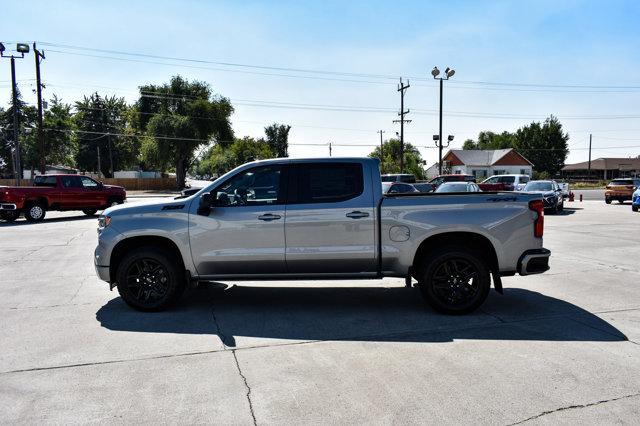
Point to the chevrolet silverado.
(320, 219)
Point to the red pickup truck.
(57, 192)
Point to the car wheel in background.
(561, 206)
(34, 212)
(148, 280)
(634, 208)
(9, 216)
(89, 212)
(114, 201)
(621, 201)
(607, 200)
(454, 281)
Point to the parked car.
(620, 189)
(566, 190)
(551, 194)
(504, 183)
(397, 188)
(438, 180)
(324, 219)
(424, 187)
(57, 192)
(458, 187)
(396, 177)
(635, 200)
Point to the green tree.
(181, 116)
(491, 140)
(26, 124)
(545, 145)
(60, 146)
(101, 124)
(219, 160)
(278, 139)
(413, 162)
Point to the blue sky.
(533, 43)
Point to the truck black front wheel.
(454, 281)
(148, 280)
(34, 212)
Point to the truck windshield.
(539, 186)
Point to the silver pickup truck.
(320, 219)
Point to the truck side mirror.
(206, 202)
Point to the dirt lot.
(558, 347)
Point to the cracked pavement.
(561, 347)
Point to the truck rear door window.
(49, 181)
(328, 182)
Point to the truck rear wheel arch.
(468, 240)
(41, 201)
(133, 243)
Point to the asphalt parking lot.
(562, 347)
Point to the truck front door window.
(254, 187)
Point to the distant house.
(603, 168)
(485, 163)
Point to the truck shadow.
(242, 315)
(23, 222)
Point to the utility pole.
(16, 122)
(99, 166)
(402, 88)
(108, 134)
(589, 170)
(39, 56)
(381, 152)
(329, 149)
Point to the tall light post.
(448, 73)
(21, 48)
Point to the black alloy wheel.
(89, 212)
(148, 280)
(455, 281)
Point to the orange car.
(620, 189)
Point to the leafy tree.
(413, 162)
(545, 145)
(60, 146)
(491, 140)
(27, 119)
(181, 116)
(278, 139)
(101, 123)
(219, 160)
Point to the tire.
(621, 201)
(89, 212)
(35, 212)
(561, 206)
(607, 200)
(114, 202)
(442, 284)
(148, 280)
(634, 208)
(9, 216)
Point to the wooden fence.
(130, 184)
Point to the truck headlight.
(103, 221)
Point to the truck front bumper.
(534, 261)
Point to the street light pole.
(43, 163)
(381, 153)
(447, 74)
(21, 48)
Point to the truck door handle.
(357, 215)
(269, 217)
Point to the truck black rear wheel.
(89, 212)
(454, 280)
(34, 212)
(148, 280)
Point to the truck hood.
(153, 206)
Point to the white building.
(485, 163)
